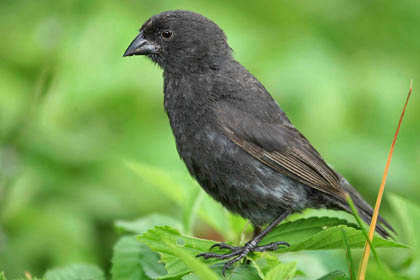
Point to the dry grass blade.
(366, 252)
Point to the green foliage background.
(73, 111)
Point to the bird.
(232, 135)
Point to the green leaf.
(265, 264)
(2, 276)
(302, 229)
(304, 234)
(76, 272)
(143, 224)
(335, 275)
(236, 272)
(170, 256)
(242, 272)
(200, 269)
(269, 263)
(284, 271)
(320, 234)
(134, 260)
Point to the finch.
(233, 137)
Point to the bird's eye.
(167, 34)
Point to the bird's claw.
(224, 246)
(218, 256)
(239, 253)
(271, 246)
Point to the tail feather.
(379, 228)
(366, 211)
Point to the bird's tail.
(365, 211)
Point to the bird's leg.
(238, 253)
(257, 231)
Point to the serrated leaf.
(236, 272)
(175, 266)
(267, 262)
(134, 260)
(193, 264)
(302, 229)
(284, 271)
(242, 272)
(76, 272)
(321, 234)
(145, 223)
(314, 233)
(335, 275)
(264, 264)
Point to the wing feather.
(279, 146)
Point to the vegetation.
(84, 140)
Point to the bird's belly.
(240, 182)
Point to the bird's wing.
(278, 145)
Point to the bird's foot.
(238, 253)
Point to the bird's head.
(181, 41)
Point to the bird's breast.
(186, 103)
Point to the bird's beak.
(141, 46)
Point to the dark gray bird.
(233, 137)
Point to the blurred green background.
(72, 110)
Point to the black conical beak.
(140, 46)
